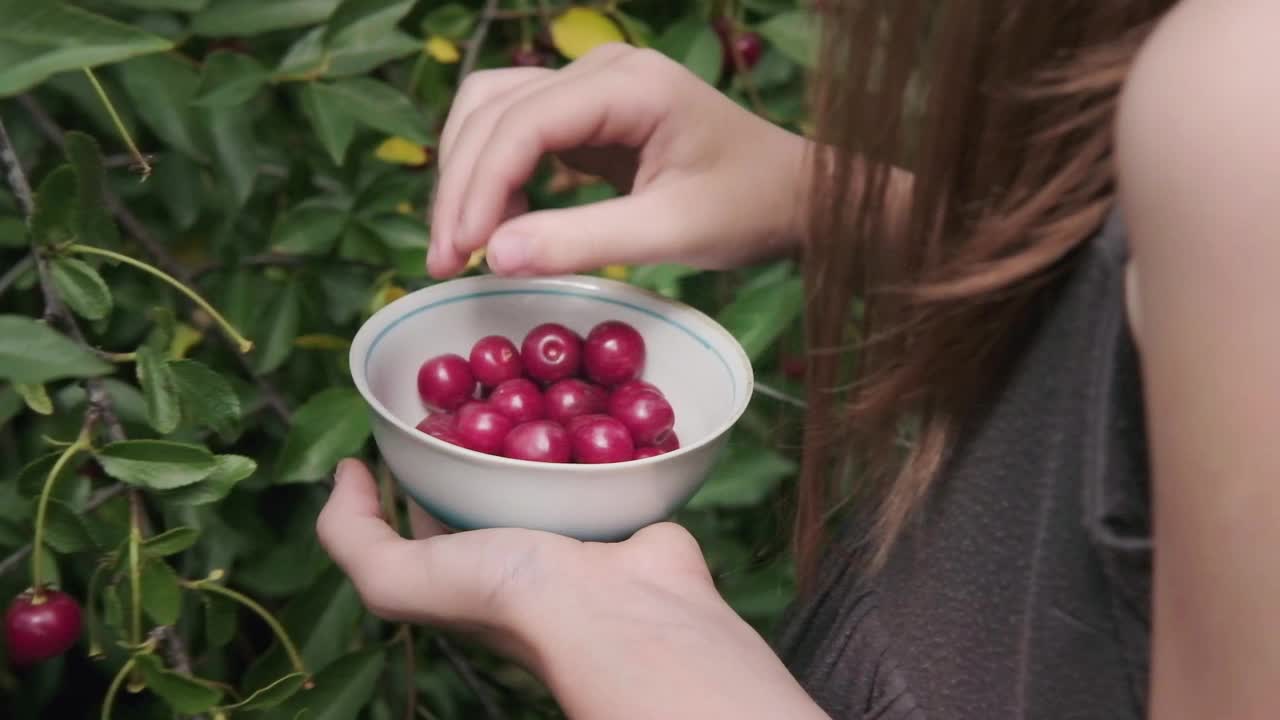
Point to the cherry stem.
(294, 656)
(91, 610)
(37, 543)
(138, 157)
(110, 700)
(135, 579)
(244, 343)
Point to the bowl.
(698, 365)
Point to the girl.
(1064, 219)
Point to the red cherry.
(440, 426)
(494, 360)
(750, 47)
(527, 57)
(445, 382)
(647, 452)
(571, 398)
(539, 441)
(647, 415)
(613, 353)
(39, 630)
(482, 428)
(793, 366)
(520, 400)
(602, 440)
(575, 422)
(551, 352)
(634, 385)
(669, 443)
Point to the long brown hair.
(965, 156)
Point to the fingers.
(632, 229)
(529, 122)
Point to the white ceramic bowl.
(698, 365)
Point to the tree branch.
(476, 42)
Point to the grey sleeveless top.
(1023, 591)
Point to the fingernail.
(508, 252)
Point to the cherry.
(749, 44)
(613, 353)
(634, 385)
(570, 398)
(794, 366)
(36, 630)
(647, 415)
(441, 426)
(445, 382)
(481, 427)
(602, 440)
(575, 422)
(527, 57)
(520, 400)
(669, 443)
(647, 452)
(539, 441)
(551, 352)
(494, 360)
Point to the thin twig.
(470, 679)
(16, 178)
(12, 275)
(776, 394)
(476, 42)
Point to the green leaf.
(160, 388)
(187, 6)
(281, 328)
(405, 239)
(395, 115)
(342, 689)
(13, 233)
(357, 53)
(64, 531)
(55, 213)
(36, 397)
(32, 352)
(161, 594)
(760, 315)
(743, 477)
(184, 693)
(177, 185)
(161, 88)
(331, 603)
(156, 464)
(231, 133)
(795, 34)
(219, 619)
(451, 20)
(692, 42)
(170, 542)
(308, 229)
(81, 287)
(664, 279)
(273, 694)
(228, 471)
(330, 426)
(229, 79)
(638, 32)
(32, 476)
(205, 395)
(41, 39)
(323, 107)
(355, 17)
(93, 222)
(251, 17)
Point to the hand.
(710, 184)
(624, 630)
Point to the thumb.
(633, 230)
(351, 524)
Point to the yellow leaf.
(399, 151)
(321, 342)
(476, 258)
(442, 50)
(616, 272)
(579, 30)
(405, 208)
(185, 337)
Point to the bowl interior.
(693, 360)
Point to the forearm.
(665, 657)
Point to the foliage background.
(291, 143)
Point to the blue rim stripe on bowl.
(566, 293)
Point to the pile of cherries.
(557, 398)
